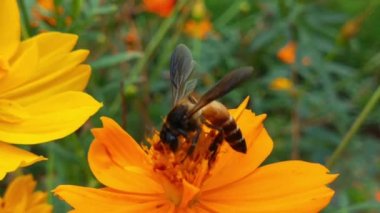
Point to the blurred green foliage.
(342, 72)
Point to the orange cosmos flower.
(281, 83)
(198, 29)
(287, 54)
(20, 197)
(47, 14)
(377, 196)
(162, 8)
(139, 179)
(47, 4)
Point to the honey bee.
(188, 114)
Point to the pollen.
(190, 163)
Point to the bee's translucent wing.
(228, 83)
(189, 87)
(181, 67)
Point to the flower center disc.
(189, 164)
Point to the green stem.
(25, 21)
(50, 170)
(354, 128)
(153, 44)
(229, 14)
(169, 46)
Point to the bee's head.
(169, 137)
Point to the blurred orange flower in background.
(162, 8)
(198, 29)
(199, 26)
(287, 54)
(41, 84)
(47, 4)
(281, 83)
(377, 196)
(139, 179)
(353, 26)
(47, 14)
(20, 197)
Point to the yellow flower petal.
(40, 70)
(10, 23)
(12, 112)
(21, 70)
(282, 83)
(15, 158)
(4, 67)
(51, 118)
(85, 199)
(51, 43)
(51, 84)
(118, 162)
(290, 186)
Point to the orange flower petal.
(287, 54)
(189, 192)
(121, 146)
(259, 147)
(47, 4)
(19, 191)
(290, 186)
(84, 199)
(15, 158)
(20, 197)
(119, 162)
(162, 8)
(41, 208)
(198, 29)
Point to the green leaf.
(111, 60)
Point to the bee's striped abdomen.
(233, 136)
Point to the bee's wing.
(181, 66)
(228, 83)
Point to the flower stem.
(354, 128)
(153, 44)
(229, 14)
(25, 30)
(50, 170)
(296, 121)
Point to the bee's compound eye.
(170, 139)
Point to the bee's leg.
(192, 99)
(194, 141)
(214, 148)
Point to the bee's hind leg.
(214, 148)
